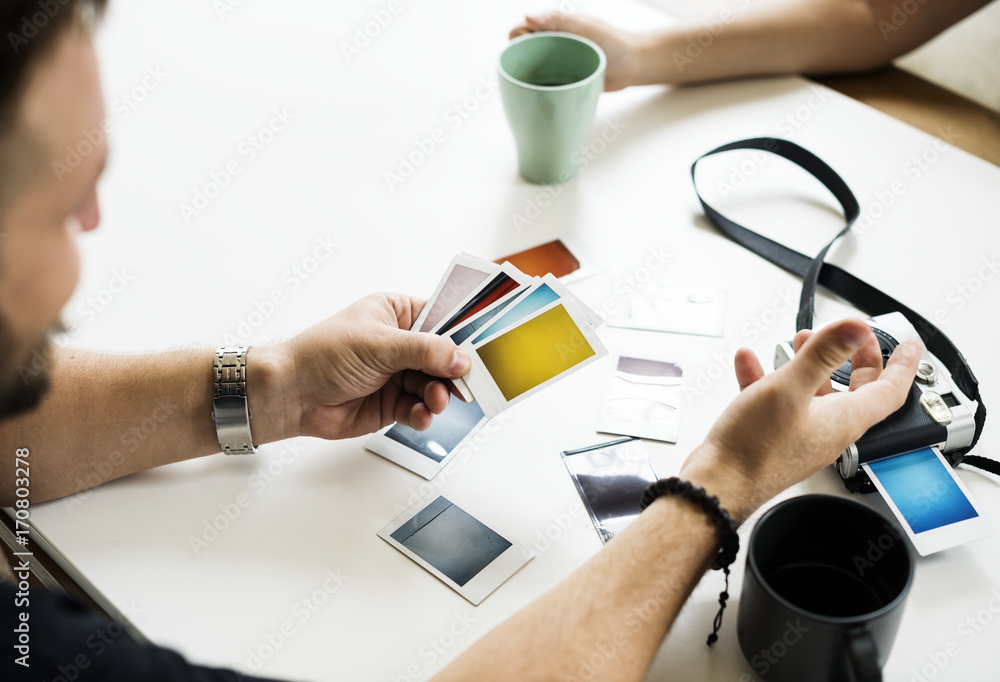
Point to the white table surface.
(323, 178)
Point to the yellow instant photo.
(533, 353)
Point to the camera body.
(936, 412)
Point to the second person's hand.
(623, 49)
(788, 425)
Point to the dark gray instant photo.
(450, 540)
(463, 552)
(611, 478)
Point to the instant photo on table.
(565, 259)
(644, 398)
(928, 498)
(611, 478)
(455, 547)
(679, 310)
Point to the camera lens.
(888, 344)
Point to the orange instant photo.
(553, 257)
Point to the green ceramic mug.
(549, 84)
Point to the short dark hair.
(29, 29)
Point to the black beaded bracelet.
(727, 530)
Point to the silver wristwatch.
(229, 406)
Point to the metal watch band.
(230, 409)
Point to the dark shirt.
(66, 642)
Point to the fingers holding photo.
(430, 390)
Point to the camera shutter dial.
(886, 343)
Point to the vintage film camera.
(936, 412)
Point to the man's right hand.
(353, 373)
(786, 426)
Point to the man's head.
(50, 105)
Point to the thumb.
(748, 369)
(428, 353)
(825, 351)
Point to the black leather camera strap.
(860, 294)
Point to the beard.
(23, 383)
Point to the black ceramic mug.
(826, 579)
